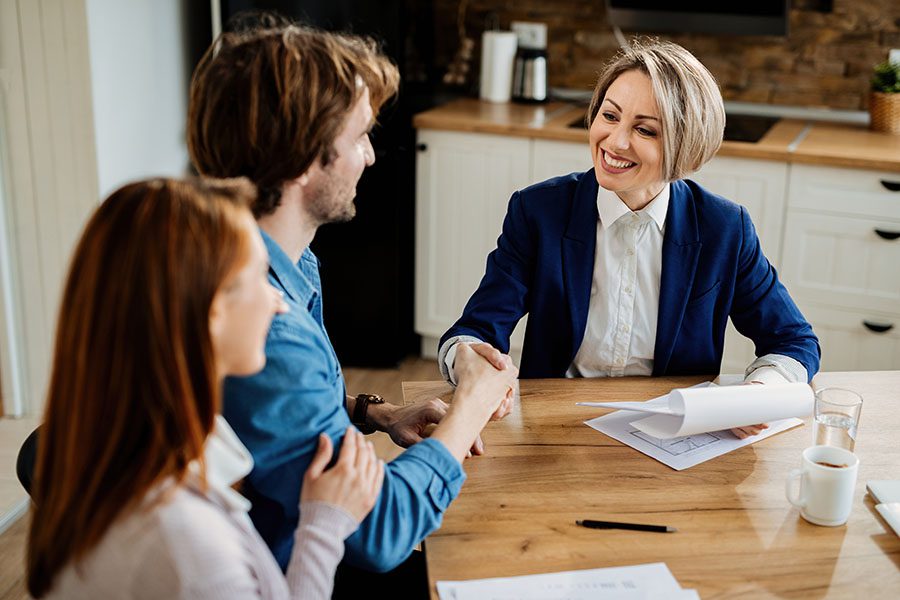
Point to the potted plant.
(884, 102)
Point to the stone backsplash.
(825, 61)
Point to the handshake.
(486, 382)
(486, 388)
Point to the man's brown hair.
(134, 389)
(266, 104)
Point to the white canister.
(498, 52)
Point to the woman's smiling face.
(626, 140)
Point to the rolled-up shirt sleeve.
(419, 485)
(279, 414)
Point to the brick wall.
(826, 60)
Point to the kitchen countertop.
(790, 140)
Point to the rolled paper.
(700, 410)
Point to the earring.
(304, 179)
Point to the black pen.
(633, 526)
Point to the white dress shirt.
(620, 333)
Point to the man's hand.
(500, 361)
(410, 424)
(407, 424)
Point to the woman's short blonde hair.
(690, 105)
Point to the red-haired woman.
(166, 295)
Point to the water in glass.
(835, 429)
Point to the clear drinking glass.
(837, 417)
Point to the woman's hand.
(750, 430)
(353, 483)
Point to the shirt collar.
(289, 275)
(611, 208)
(227, 461)
(659, 207)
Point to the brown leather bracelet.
(361, 410)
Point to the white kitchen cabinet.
(551, 158)
(842, 262)
(852, 192)
(855, 340)
(463, 185)
(758, 185)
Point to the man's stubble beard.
(333, 201)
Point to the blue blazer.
(712, 268)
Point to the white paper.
(714, 408)
(636, 582)
(645, 407)
(681, 452)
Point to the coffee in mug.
(827, 481)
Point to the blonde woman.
(629, 268)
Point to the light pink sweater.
(195, 544)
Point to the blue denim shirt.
(279, 413)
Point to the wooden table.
(738, 536)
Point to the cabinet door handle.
(878, 327)
(887, 235)
(894, 186)
(424, 147)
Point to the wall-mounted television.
(733, 17)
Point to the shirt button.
(625, 328)
(628, 290)
(629, 252)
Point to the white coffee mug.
(827, 481)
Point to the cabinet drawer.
(849, 345)
(849, 191)
(843, 261)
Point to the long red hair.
(134, 389)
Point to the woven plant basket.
(884, 110)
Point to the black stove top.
(747, 128)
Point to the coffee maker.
(530, 66)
